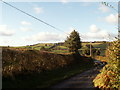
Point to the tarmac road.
(83, 80)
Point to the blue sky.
(93, 21)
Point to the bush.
(110, 74)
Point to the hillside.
(60, 48)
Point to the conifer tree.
(73, 42)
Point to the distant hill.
(60, 48)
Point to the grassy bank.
(44, 79)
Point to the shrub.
(110, 74)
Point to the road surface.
(83, 80)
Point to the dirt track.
(83, 80)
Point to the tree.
(85, 50)
(73, 42)
(110, 74)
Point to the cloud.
(49, 36)
(99, 35)
(46, 36)
(112, 18)
(25, 23)
(38, 10)
(64, 1)
(104, 8)
(5, 31)
(94, 28)
(96, 33)
(25, 29)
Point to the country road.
(83, 80)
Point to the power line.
(32, 16)
(108, 5)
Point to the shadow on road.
(83, 80)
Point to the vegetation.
(73, 42)
(61, 48)
(42, 48)
(31, 68)
(85, 50)
(110, 74)
(60, 51)
(28, 66)
(44, 79)
(20, 61)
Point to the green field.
(102, 47)
(62, 49)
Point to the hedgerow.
(109, 78)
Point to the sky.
(92, 20)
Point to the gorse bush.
(110, 74)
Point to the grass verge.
(45, 79)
